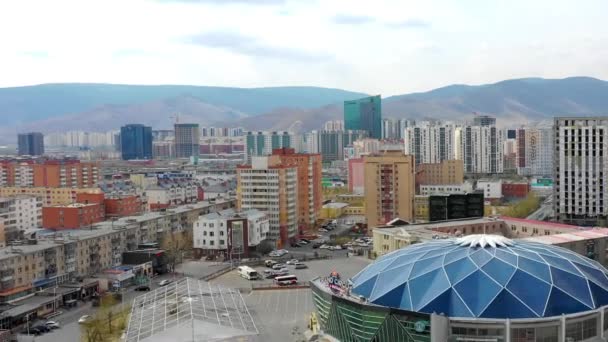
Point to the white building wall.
(491, 189)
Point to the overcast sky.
(374, 46)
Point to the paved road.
(545, 210)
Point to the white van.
(248, 272)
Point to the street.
(545, 210)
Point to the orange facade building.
(122, 206)
(72, 216)
(310, 198)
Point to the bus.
(248, 272)
(286, 280)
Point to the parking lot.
(277, 312)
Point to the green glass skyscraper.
(364, 114)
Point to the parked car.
(337, 247)
(84, 319)
(31, 331)
(43, 328)
(142, 288)
(210, 257)
(52, 324)
(305, 240)
(324, 246)
(271, 275)
(165, 282)
(292, 262)
(270, 263)
(281, 272)
(323, 230)
(300, 266)
(295, 245)
(278, 266)
(316, 245)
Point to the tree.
(175, 244)
(523, 208)
(265, 247)
(108, 324)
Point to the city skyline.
(468, 43)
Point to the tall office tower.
(431, 143)
(186, 140)
(310, 197)
(535, 151)
(580, 169)
(484, 120)
(136, 142)
(31, 144)
(364, 114)
(331, 144)
(481, 149)
(262, 143)
(271, 187)
(334, 125)
(389, 187)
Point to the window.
(221, 233)
(222, 242)
(210, 233)
(211, 242)
(581, 330)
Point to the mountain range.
(100, 107)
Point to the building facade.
(444, 172)
(262, 143)
(580, 169)
(433, 189)
(52, 173)
(19, 213)
(389, 187)
(230, 233)
(310, 196)
(364, 114)
(271, 187)
(331, 144)
(72, 216)
(455, 206)
(136, 142)
(431, 142)
(30, 144)
(535, 151)
(356, 175)
(187, 137)
(49, 196)
(481, 149)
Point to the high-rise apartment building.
(136, 142)
(31, 144)
(364, 114)
(271, 187)
(580, 169)
(331, 144)
(394, 129)
(481, 148)
(431, 142)
(535, 151)
(48, 173)
(262, 143)
(389, 187)
(484, 120)
(333, 125)
(310, 197)
(187, 137)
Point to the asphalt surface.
(545, 210)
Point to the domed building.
(475, 288)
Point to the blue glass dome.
(485, 276)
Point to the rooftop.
(190, 310)
(543, 223)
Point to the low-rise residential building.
(515, 189)
(72, 216)
(492, 189)
(432, 189)
(57, 257)
(20, 213)
(230, 233)
(49, 196)
(168, 194)
(333, 210)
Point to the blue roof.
(521, 279)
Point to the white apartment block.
(481, 148)
(431, 143)
(171, 195)
(428, 189)
(270, 187)
(580, 168)
(20, 213)
(230, 231)
(535, 151)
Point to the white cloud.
(390, 47)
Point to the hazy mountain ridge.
(99, 107)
